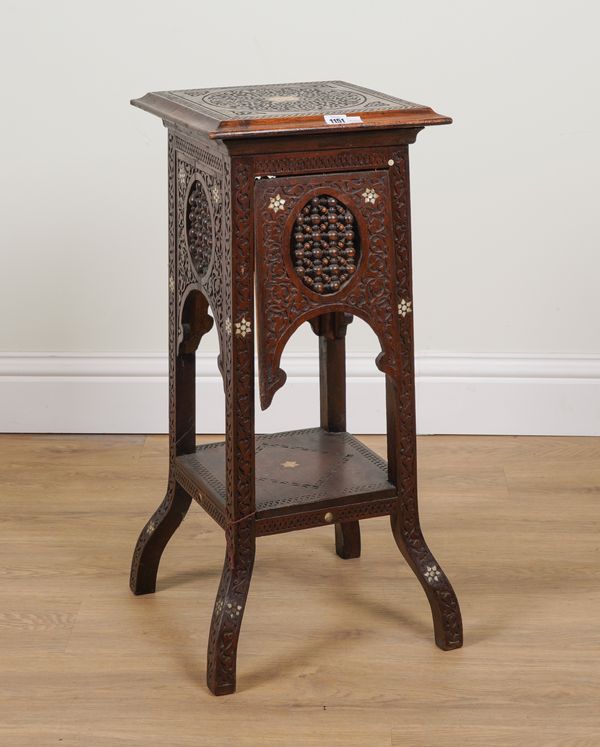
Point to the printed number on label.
(340, 119)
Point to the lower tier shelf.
(303, 478)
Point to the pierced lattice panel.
(325, 245)
(199, 228)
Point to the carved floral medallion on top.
(287, 99)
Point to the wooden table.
(299, 192)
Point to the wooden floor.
(332, 652)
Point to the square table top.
(286, 108)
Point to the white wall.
(505, 225)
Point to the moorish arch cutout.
(288, 229)
(194, 320)
(272, 377)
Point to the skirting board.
(462, 394)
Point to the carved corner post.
(331, 329)
(238, 364)
(183, 341)
(401, 430)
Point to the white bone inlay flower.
(276, 203)
(370, 195)
(233, 610)
(243, 328)
(432, 574)
(404, 307)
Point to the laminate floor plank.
(332, 652)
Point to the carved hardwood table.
(299, 195)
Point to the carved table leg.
(401, 429)
(331, 329)
(182, 403)
(406, 527)
(154, 538)
(238, 370)
(227, 615)
(347, 539)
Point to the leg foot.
(347, 539)
(225, 627)
(447, 622)
(154, 538)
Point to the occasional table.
(293, 199)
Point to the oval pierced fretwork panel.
(325, 245)
(199, 228)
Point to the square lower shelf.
(303, 478)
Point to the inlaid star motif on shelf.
(276, 203)
(243, 327)
(289, 464)
(404, 307)
(370, 195)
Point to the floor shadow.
(183, 578)
(295, 660)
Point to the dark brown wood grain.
(240, 222)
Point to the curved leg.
(401, 426)
(240, 504)
(347, 539)
(447, 622)
(182, 440)
(154, 538)
(406, 527)
(225, 626)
